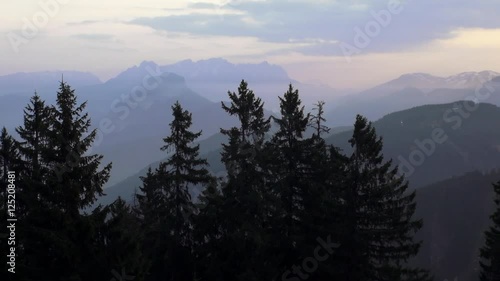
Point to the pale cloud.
(468, 50)
(125, 45)
(95, 36)
(464, 38)
(105, 37)
(419, 23)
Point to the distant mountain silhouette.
(468, 148)
(411, 90)
(472, 143)
(200, 86)
(26, 83)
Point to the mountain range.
(427, 82)
(454, 181)
(416, 89)
(472, 146)
(130, 105)
(442, 132)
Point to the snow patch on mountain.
(423, 81)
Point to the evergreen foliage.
(286, 197)
(490, 253)
(166, 204)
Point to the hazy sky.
(309, 38)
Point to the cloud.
(203, 5)
(97, 37)
(331, 22)
(442, 37)
(84, 22)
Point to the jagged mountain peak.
(472, 77)
(220, 69)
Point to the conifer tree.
(334, 176)
(318, 120)
(184, 167)
(9, 154)
(73, 180)
(119, 243)
(323, 171)
(243, 211)
(170, 188)
(32, 146)
(149, 199)
(378, 222)
(209, 232)
(33, 137)
(289, 151)
(152, 214)
(31, 176)
(317, 154)
(490, 252)
(75, 176)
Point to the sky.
(340, 43)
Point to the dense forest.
(289, 207)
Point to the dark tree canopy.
(165, 204)
(490, 253)
(291, 206)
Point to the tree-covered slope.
(435, 142)
(455, 213)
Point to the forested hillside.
(290, 205)
(456, 213)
